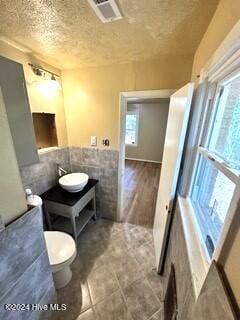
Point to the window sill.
(199, 264)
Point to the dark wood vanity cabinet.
(13, 86)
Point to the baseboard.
(143, 160)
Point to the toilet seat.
(61, 248)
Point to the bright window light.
(131, 134)
(218, 164)
(211, 196)
(225, 135)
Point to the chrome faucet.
(61, 172)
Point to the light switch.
(93, 141)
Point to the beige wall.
(12, 199)
(41, 99)
(91, 95)
(151, 131)
(225, 17)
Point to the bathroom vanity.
(70, 212)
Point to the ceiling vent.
(106, 10)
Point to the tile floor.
(114, 275)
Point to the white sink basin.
(73, 182)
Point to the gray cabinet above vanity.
(12, 83)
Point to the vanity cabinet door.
(15, 97)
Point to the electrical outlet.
(106, 142)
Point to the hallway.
(140, 192)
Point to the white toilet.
(61, 249)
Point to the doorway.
(143, 119)
(141, 181)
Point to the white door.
(179, 108)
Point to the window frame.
(209, 103)
(136, 113)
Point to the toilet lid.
(60, 246)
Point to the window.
(218, 163)
(224, 139)
(131, 134)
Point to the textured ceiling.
(68, 34)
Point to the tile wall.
(24, 257)
(97, 163)
(43, 175)
(102, 165)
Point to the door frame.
(124, 98)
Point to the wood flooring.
(141, 181)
